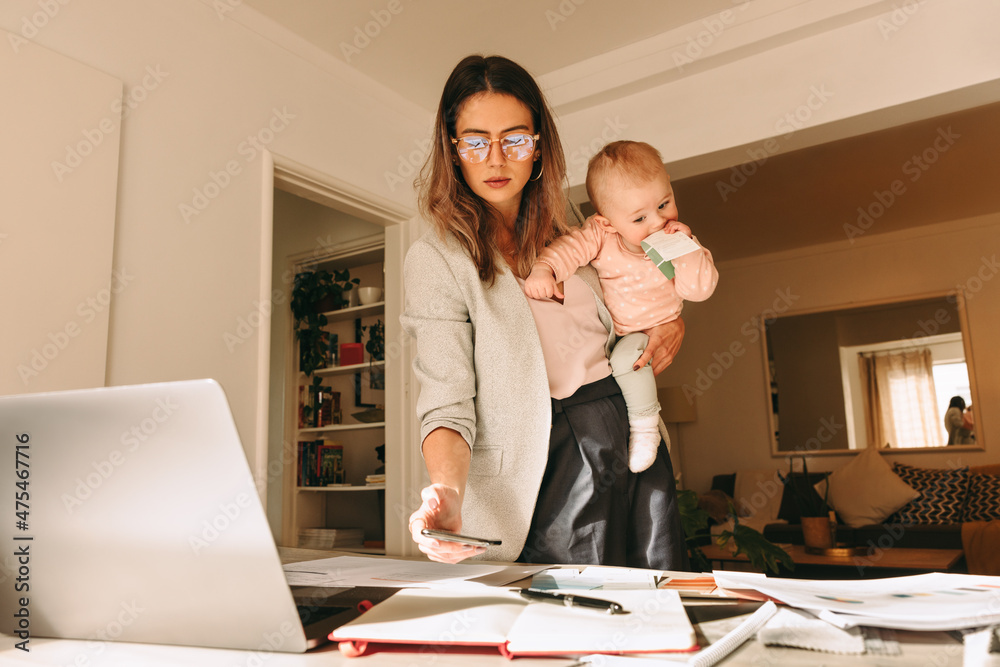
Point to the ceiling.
(791, 200)
(413, 50)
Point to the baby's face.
(638, 210)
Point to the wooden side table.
(895, 561)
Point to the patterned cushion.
(942, 495)
(984, 498)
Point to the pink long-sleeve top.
(637, 294)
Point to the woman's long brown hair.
(447, 200)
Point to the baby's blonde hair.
(630, 162)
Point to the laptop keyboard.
(311, 613)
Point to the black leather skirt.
(591, 508)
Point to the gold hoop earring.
(539, 174)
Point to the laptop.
(139, 521)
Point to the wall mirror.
(879, 375)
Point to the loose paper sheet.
(358, 571)
(596, 578)
(936, 601)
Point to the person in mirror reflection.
(630, 189)
(524, 430)
(958, 422)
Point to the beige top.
(571, 332)
(479, 362)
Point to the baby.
(630, 189)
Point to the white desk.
(917, 649)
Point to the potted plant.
(763, 554)
(313, 293)
(375, 345)
(814, 511)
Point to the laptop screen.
(138, 521)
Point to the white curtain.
(900, 404)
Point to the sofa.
(879, 506)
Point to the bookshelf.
(332, 443)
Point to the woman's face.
(496, 179)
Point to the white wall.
(722, 358)
(203, 87)
(60, 128)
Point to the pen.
(572, 600)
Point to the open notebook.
(656, 622)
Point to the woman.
(523, 429)
(958, 422)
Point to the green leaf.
(694, 520)
(763, 554)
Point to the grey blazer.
(481, 372)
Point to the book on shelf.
(330, 463)
(319, 406)
(375, 479)
(320, 462)
(304, 407)
(306, 469)
(333, 351)
(328, 407)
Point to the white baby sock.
(644, 439)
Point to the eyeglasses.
(517, 147)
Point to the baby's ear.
(603, 223)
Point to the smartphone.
(461, 539)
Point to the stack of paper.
(330, 538)
(595, 578)
(936, 601)
(393, 573)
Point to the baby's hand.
(677, 227)
(541, 282)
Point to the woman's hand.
(441, 509)
(664, 343)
